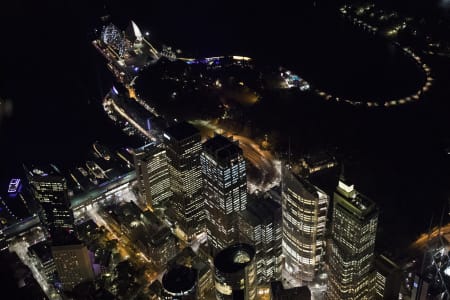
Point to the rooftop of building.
(181, 131)
(385, 265)
(155, 288)
(159, 237)
(301, 185)
(260, 210)
(234, 258)
(179, 279)
(42, 250)
(352, 200)
(147, 152)
(43, 171)
(297, 293)
(222, 149)
(201, 267)
(63, 240)
(15, 207)
(318, 158)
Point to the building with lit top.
(235, 273)
(73, 264)
(353, 232)
(152, 171)
(260, 226)
(304, 209)
(49, 189)
(225, 189)
(183, 147)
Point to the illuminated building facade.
(152, 171)
(260, 226)
(183, 146)
(304, 209)
(354, 227)
(72, 264)
(49, 189)
(225, 190)
(235, 273)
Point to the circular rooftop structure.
(179, 280)
(234, 258)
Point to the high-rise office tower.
(260, 226)
(235, 273)
(73, 264)
(353, 232)
(388, 278)
(49, 188)
(183, 146)
(152, 171)
(225, 189)
(304, 218)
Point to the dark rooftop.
(181, 131)
(42, 250)
(301, 185)
(222, 149)
(161, 236)
(260, 211)
(298, 293)
(234, 258)
(179, 279)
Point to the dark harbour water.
(56, 81)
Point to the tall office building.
(260, 226)
(42, 253)
(183, 146)
(235, 273)
(225, 189)
(353, 232)
(304, 218)
(388, 278)
(152, 171)
(49, 188)
(73, 264)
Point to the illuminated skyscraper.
(225, 189)
(235, 273)
(49, 188)
(304, 218)
(152, 171)
(183, 146)
(260, 226)
(354, 228)
(72, 264)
